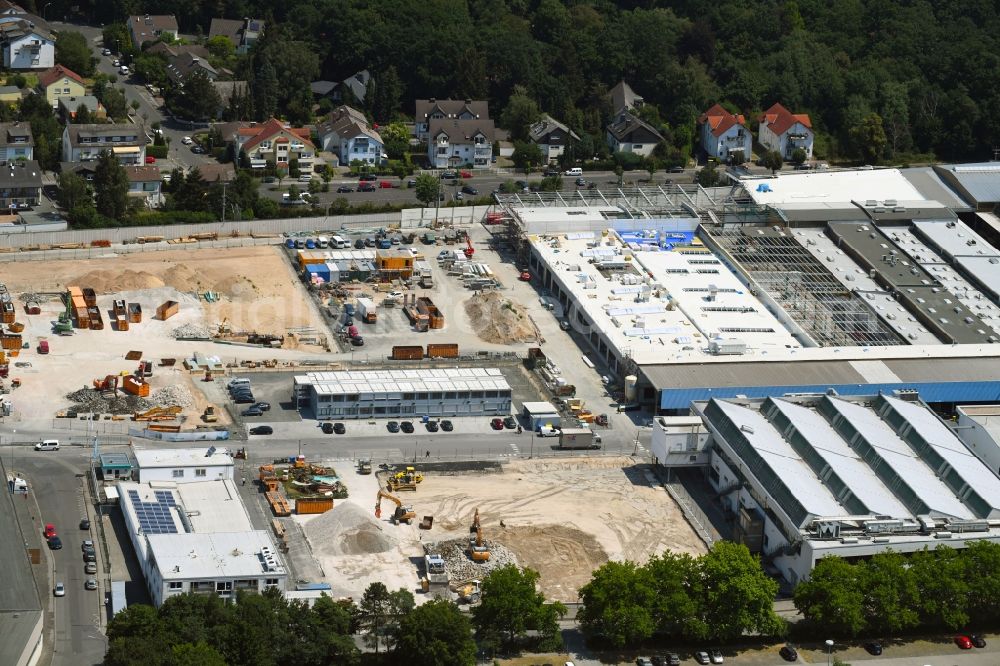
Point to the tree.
(942, 585)
(890, 594)
(397, 140)
(832, 598)
(436, 633)
(798, 156)
(82, 115)
(983, 567)
(151, 68)
(519, 114)
(869, 136)
(772, 160)
(511, 606)
(73, 52)
(196, 100)
(618, 604)
(373, 613)
(200, 654)
(111, 186)
(676, 610)
(708, 176)
(737, 597)
(384, 101)
(427, 188)
(114, 102)
(527, 155)
(73, 191)
(220, 47)
(264, 90)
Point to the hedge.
(159, 152)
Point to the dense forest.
(928, 70)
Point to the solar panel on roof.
(154, 517)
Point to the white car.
(547, 431)
(115, 62)
(106, 52)
(394, 295)
(187, 141)
(123, 70)
(59, 590)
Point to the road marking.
(516, 450)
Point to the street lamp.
(829, 651)
(44, 8)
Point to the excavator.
(402, 514)
(469, 250)
(109, 383)
(407, 480)
(477, 549)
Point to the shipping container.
(134, 313)
(90, 297)
(307, 505)
(167, 310)
(10, 341)
(407, 352)
(442, 351)
(121, 323)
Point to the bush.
(159, 152)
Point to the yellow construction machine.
(402, 514)
(477, 549)
(407, 480)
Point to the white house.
(183, 465)
(630, 134)
(26, 44)
(723, 133)
(552, 137)
(432, 109)
(785, 132)
(150, 28)
(455, 143)
(347, 133)
(83, 143)
(145, 182)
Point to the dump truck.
(366, 310)
(365, 466)
(579, 438)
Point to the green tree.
(618, 604)
(264, 90)
(708, 176)
(511, 606)
(82, 116)
(384, 100)
(373, 614)
(293, 168)
(73, 52)
(527, 155)
(772, 160)
(114, 102)
(982, 570)
(200, 654)
(942, 586)
(675, 611)
(151, 68)
(197, 100)
(427, 188)
(891, 595)
(832, 597)
(798, 156)
(111, 186)
(737, 597)
(396, 139)
(869, 136)
(220, 47)
(434, 634)
(519, 114)
(73, 191)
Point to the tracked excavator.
(477, 549)
(401, 514)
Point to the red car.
(386, 185)
(964, 642)
(496, 424)
(466, 174)
(50, 531)
(150, 159)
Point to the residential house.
(60, 82)
(277, 143)
(347, 133)
(353, 88)
(785, 132)
(184, 64)
(242, 33)
(8, 8)
(69, 105)
(723, 133)
(226, 90)
(432, 109)
(458, 142)
(82, 143)
(145, 182)
(623, 98)
(20, 184)
(630, 134)
(221, 172)
(150, 28)
(16, 142)
(27, 42)
(173, 50)
(552, 137)
(85, 170)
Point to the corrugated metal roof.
(978, 183)
(709, 375)
(930, 185)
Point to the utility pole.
(224, 202)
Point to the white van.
(323, 242)
(575, 171)
(238, 381)
(47, 445)
(339, 243)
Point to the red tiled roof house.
(786, 132)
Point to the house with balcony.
(84, 143)
(27, 42)
(429, 110)
(59, 82)
(184, 64)
(149, 28)
(723, 133)
(16, 142)
(628, 133)
(68, 107)
(347, 133)
(20, 185)
(785, 132)
(243, 34)
(456, 143)
(276, 143)
(144, 183)
(552, 137)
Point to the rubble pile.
(172, 395)
(347, 529)
(89, 400)
(191, 331)
(460, 567)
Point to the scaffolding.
(831, 314)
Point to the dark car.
(264, 406)
(55, 543)
(977, 640)
(677, 169)
(447, 426)
(244, 399)
(873, 648)
(368, 178)
(344, 189)
(702, 657)
(359, 244)
(327, 428)
(407, 427)
(90, 556)
(411, 183)
(392, 426)
(788, 653)
(197, 150)
(510, 423)
(580, 182)
(496, 424)
(339, 428)
(262, 430)
(358, 341)
(469, 189)
(555, 172)
(252, 411)
(85, 524)
(366, 187)
(449, 174)
(432, 426)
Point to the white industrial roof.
(954, 238)
(151, 458)
(786, 464)
(843, 460)
(832, 187)
(213, 506)
(397, 381)
(539, 407)
(215, 555)
(901, 458)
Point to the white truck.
(366, 310)
(579, 438)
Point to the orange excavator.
(402, 514)
(477, 549)
(469, 250)
(109, 383)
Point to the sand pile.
(347, 529)
(106, 281)
(500, 320)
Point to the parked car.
(150, 159)
(459, 196)
(407, 427)
(90, 584)
(358, 341)
(496, 424)
(385, 185)
(368, 178)
(392, 426)
(105, 52)
(581, 182)
(197, 150)
(548, 173)
(305, 177)
(963, 642)
(59, 590)
(702, 657)
(87, 544)
(873, 648)
(716, 656)
(432, 426)
(264, 406)
(339, 428)
(116, 62)
(187, 141)
(90, 568)
(359, 244)
(978, 640)
(677, 169)
(90, 556)
(469, 189)
(510, 423)
(244, 399)
(447, 425)
(343, 189)
(85, 524)
(50, 530)
(327, 428)
(449, 174)
(252, 411)
(788, 653)
(466, 174)
(411, 183)
(55, 543)
(643, 661)
(366, 187)
(262, 430)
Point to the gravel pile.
(347, 529)
(460, 567)
(28, 297)
(89, 400)
(192, 331)
(172, 395)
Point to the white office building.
(184, 465)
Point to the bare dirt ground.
(497, 318)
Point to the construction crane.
(402, 514)
(477, 549)
(469, 250)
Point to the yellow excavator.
(401, 514)
(477, 549)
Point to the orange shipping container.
(407, 352)
(167, 310)
(442, 351)
(135, 386)
(306, 505)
